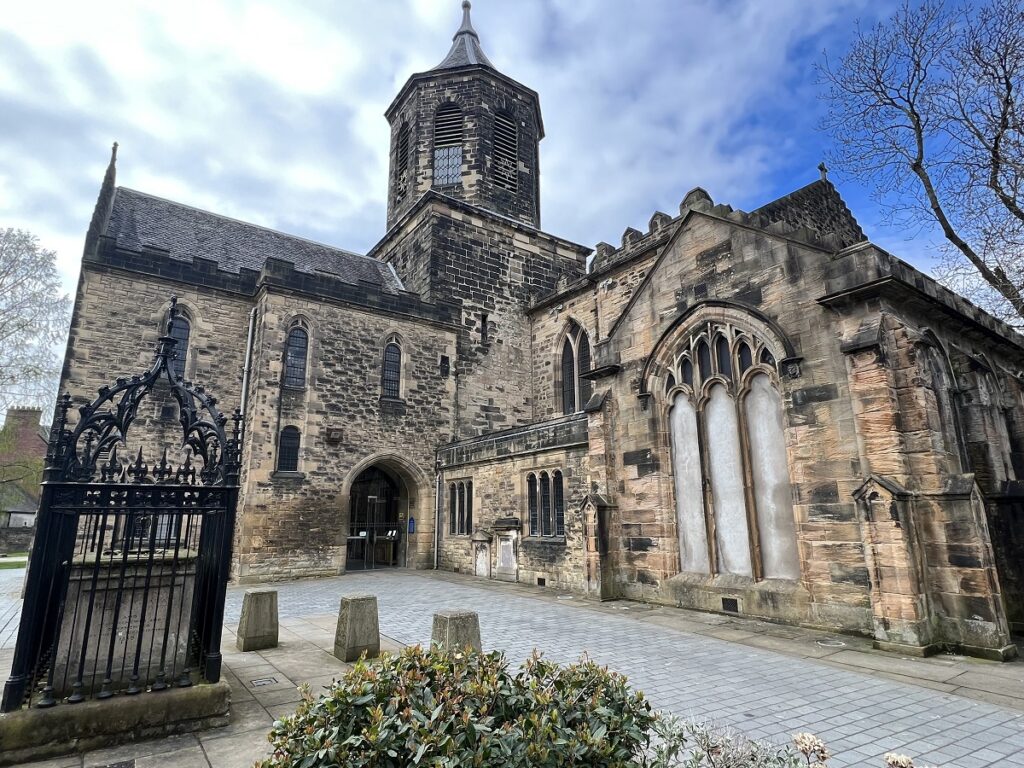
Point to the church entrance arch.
(380, 501)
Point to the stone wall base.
(35, 734)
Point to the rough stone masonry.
(758, 412)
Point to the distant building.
(22, 450)
(756, 413)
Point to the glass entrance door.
(375, 532)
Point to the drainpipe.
(248, 364)
(437, 513)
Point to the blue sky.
(272, 111)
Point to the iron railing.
(128, 571)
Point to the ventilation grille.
(448, 127)
(506, 153)
(403, 151)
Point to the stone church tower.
(758, 413)
(466, 130)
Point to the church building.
(756, 413)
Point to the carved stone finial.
(824, 171)
(113, 152)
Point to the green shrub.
(440, 708)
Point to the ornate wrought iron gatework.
(127, 576)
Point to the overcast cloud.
(272, 112)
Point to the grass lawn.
(13, 560)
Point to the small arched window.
(532, 505)
(288, 450)
(391, 374)
(722, 355)
(575, 390)
(295, 353)
(447, 146)
(180, 331)
(558, 493)
(568, 378)
(506, 153)
(545, 504)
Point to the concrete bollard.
(257, 629)
(357, 630)
(456, 629)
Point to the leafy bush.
(444, 709)
(441, 708)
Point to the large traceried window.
(575, 391)
(180, 331)
(447, 145)
(391, 371)
(295, 354)
(734, 505)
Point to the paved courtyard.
(767, 681)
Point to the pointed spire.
(104, 203)
(465, 50)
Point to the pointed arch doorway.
(378, 511)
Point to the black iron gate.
(127, 575)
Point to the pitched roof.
(465, 48)
(14, 498)
(138, 220)
(819, 208)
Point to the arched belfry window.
(391, 373)
(288, 450)
(506, 153)
(402, 160)
(448, 145)
(575, 390)
(296, 351)
(181, 329)
(734, 506)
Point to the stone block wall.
(498, 466)
(494, 269)
(296, 523)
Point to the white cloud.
(272, 111)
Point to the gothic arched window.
(288, 450)
(391, 373)
(295, 353)
(447, 145)
(575, 390)
(506, 153)
(180, 331)
(729, 462)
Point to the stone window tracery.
(545, 492)
(575, 391)
(295, 355)
(734, 506)
(460, 508)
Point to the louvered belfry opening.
(402, 161)
(506, 153)
(448, 135)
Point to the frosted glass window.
(691, 525)
(770, 471)
(726, 471)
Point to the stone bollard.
(357, 630)
(456, 629)
(257, 629)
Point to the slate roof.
(465, 48)
(818, 207)
(139, 220)
(14, 498)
